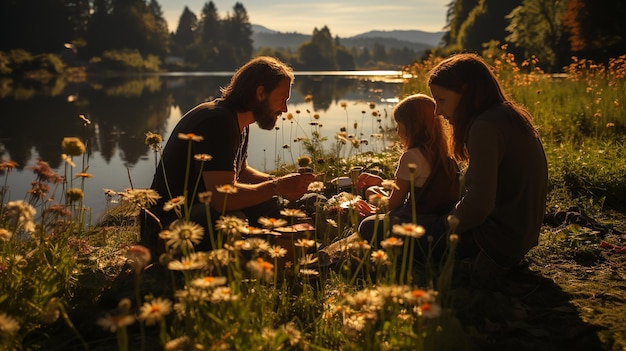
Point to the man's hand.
(293, 185)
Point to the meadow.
(68, 284)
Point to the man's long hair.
(261, 71)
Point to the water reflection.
(35, 118)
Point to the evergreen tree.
(158, 32)
(208, 43)
(98, 38)
(237, 48)
(319, 52)
(184, 35)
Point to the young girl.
(427, 165)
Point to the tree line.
(96, 30)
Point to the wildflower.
(182, 234)
(84, 175)
(50, 313)
(610, 124)
(208, 282)
(8, 324)
(316, 187)
(289, 116)
(293, 212)
(109, 193)
(85, 119)
(227, 189)
(427, 310)
(316, 116)
(190, 136)
(74, 194)
(380, 257)
(389, 184)
(304, 161)
(174, 203)
(202, 157)
(187, 263)
(372, 105)
(261, 269)
(292, 332)
(219, 256)
(305, 243)
(142, 197)
(453, 223)
(331, 222)
(138, 257)
(271, 223)
(308, 98)
(306, 272)
(154, 311)
(258, 244)
(20, 215)
(379, 200)
(409, 229)
(391, 241)
(112, 322)
(153, 140)
(5, 234)
(8, 165)
(205, 197)
(45, 174)
(308, 260)
(177, 344)
(73, 146)
(277, 251)
(223, 294)
(454, 238)
(342, 137)
(250, 230)
(229, 224)
(343, 104)
(353, 324)
(68, 160)
(39, 190)
(360, 245)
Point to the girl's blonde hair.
(425, 130)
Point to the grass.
(66, 284)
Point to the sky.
(344, 18)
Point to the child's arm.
(398, 196)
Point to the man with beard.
(207, 152)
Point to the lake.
(34, 119)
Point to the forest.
(103, 33)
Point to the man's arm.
(251, 175)
(291, 186)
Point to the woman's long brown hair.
(469, 75)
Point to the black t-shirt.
(222, 140)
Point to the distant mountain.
(414, 36)
(411, 39)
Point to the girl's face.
(446, 101)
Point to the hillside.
(411, 39)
